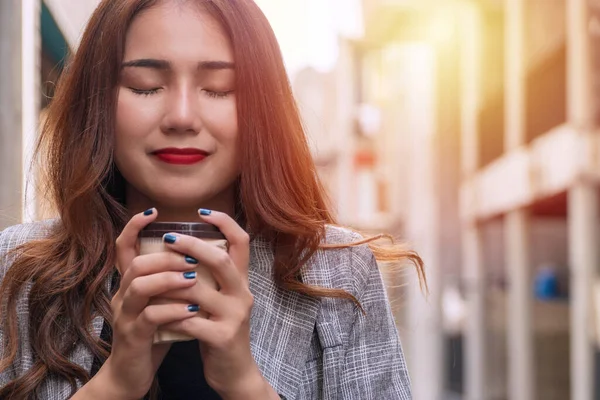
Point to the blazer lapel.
(282, 324)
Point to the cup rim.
(200, 230)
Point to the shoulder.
(17, 235)
(346, 267)
(14, 236)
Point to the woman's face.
(176, 111)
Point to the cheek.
(135, 119)
(221, 121)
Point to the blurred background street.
(466, 128)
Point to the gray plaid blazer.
(306, 348)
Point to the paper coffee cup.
(151, 241)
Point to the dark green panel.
(53, 41)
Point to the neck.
(223, 202)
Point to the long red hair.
(279, 194)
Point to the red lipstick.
(177, 156)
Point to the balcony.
(544, 169)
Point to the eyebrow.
(165, 65)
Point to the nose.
(182, 114)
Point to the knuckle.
(244, 238)
(187, 293)
(240, 315)
(225, 337)
(117, 324)
(249, 300)
(244, 309)
(223, 258)
(174, 279)
(174, 261)
(246, 299)
(127, 277)
(119, 243)
(136, 288)
(187, 324)
(135, 267)
(114, 304)
(148, 316)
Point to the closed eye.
(144, 92)
(217, 94)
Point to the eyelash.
(209, 93)
(142, 92)
(217, 95)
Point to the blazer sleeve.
(374, 366)
(8, 374)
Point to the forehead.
(177, 32)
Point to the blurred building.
(488, 125)
(467, 128)
(35, 38)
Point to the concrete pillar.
(579, 95)
(583, 206)
(10, 112)
(30, 96)
(473, 268)
(521, 372)
(475, 330)
(20, 52)
(425, 350)
(515, 75)
(470, 31)
(583, 242)
(347, 80)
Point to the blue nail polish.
(205, 212)
(193, 308)
(149, 212)
(190, 260)
(168, 238)
(189, 275)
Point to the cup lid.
(200, 230)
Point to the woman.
(169, 106)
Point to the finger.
(205, 330)
(127, 240)
(208, 298)
(156, 315)
(217, 260)
(141, 289)
(154, 263)
(238, 238)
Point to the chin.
(188, 198)
(179, 201)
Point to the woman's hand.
(224, 337)
(130, 369)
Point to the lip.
(178, 156)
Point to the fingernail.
(149, 212)
(168, 238)
(189, 275)
(204, 212)
(193, 308)
(190, 260)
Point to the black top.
(180, 376)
